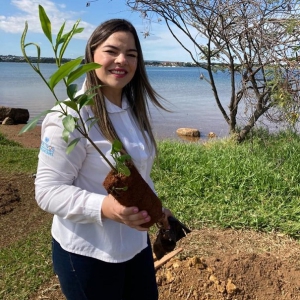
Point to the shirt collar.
(112, 108)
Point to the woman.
(100, 249)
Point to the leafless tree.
(255, 41)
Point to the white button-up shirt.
(70, 185)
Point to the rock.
(169, 277)
(231, 287)
(188, 132)
(8, 121)
(193, 261)
(18, 115)
(211, 135)
(214, 279)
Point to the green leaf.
(34, 121)
(124, 170)
(92, 123)
(58, 37)
(23, 37)
(65, 135)
(63, 71)
(23, 47)
(116, 146)
(85, 99)
(67, 38)
(38, 50)
(92, 89)
(69, 123)
(123, 158)
(45, 23)
(71, 104)
(72, 145)
(82, 70)
(73, 31)
(72, 90)
(78, 30)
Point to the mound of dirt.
(223, 265)
(215, 264)
(231, 277)
(19, 213)
(9, 198)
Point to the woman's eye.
(132, 55)
(110, 51)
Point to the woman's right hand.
(130, 216)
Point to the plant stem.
(86, 136)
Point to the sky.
(159, 45)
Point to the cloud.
(159, 45)
(28, 11)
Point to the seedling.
(120, 159)
(68, 73)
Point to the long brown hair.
(137, 91)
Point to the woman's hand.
(131, 216)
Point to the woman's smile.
(120, 73)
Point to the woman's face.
(118, 57)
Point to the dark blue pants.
(85, 278)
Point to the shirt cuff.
(93, 208)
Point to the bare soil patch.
(30, 139)
(214, 265)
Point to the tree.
(255, 41)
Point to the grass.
(14, 158)
(25, 265)
(254, 185)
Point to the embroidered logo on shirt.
(46, 148)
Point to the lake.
(188, 97)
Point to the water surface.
(189, 98)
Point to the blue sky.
(160, 45)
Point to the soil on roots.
(215, 264)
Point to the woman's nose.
(121, 59)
